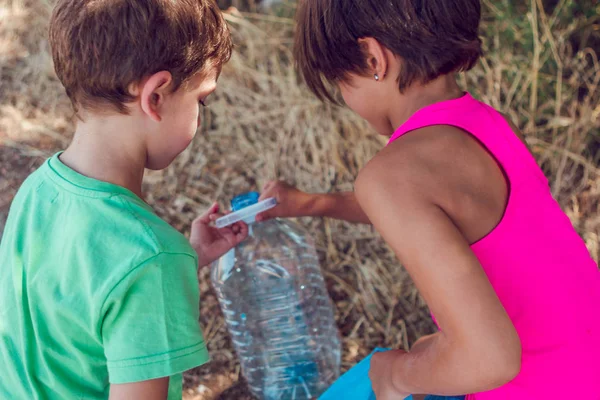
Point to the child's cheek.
(190, 125)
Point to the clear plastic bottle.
(277, 309)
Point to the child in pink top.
(460, 200)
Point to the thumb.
(270, 189)
(205, 218)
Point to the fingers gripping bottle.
(276, 306)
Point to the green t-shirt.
(94, 289)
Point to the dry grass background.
(540, 68)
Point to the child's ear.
(153, 93)
(376, 55)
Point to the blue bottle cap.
(244, 200)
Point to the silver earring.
(377, 77)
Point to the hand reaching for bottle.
(291, 202)
(210, 242)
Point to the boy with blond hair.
(99, 295)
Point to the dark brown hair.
(432, 37)
(100, 47)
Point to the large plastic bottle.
(277, 308)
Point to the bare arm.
(295, 203)
(478, 348)
(341, 205)
(155, 389)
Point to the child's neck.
(108, 149)
(418, 96)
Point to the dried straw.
(262, 124)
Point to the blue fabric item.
(356, 385)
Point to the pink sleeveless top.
(538, 265)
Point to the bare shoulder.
(429, 160)
(440, 165)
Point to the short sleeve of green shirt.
(150, 325)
